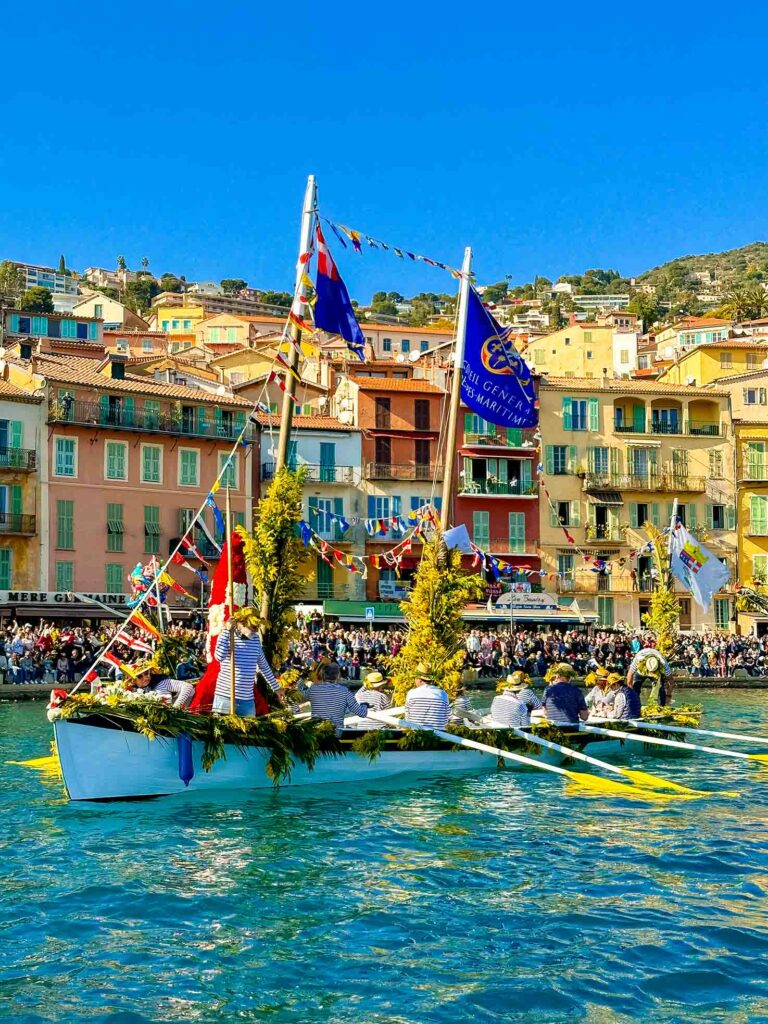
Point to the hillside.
(721, 270)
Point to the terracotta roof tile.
(83, 371)
(700, 321)
(734, 343)
(397, 384)
(306, 422)
(620, 385)
(10, 392)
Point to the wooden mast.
(449, 468)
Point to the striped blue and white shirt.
(181, 691)
(529, 698)
(507, 709)
(249, 656)
(428, 705)
(332, 702)
(375, 699)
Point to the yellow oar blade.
(48, 765)
(608, 787)
(656, 782)
(763, 758)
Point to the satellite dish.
(345, 417)
(414, 357)
(401, 358)
(221, 390)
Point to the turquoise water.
(494, 898)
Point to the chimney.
(25, 349)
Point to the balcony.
(142, 421)
(670, 482)
(604, 531)
(315, 474)
(511, 546)
(701, 428)
(695, 428)
(403, 471)
(501, 437)
(591, 583)
(499, 488)
(12, 522)
(20, 459)
(754, 471)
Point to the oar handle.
(659, 742)
(567, 751)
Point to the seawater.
(492, 898)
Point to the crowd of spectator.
(54, 653)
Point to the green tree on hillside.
(139, 293)
(11, 281)
(37, 300)
(171, 283)
(746, 302)
(230, 285)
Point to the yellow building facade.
(588, 349)
(615, 455)
(752, 480)
(706, 363)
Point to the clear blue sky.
(552, 138)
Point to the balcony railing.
(498, 487)
(120, 418)
(403, 471)
(672, 482)
(591, 583)
(754, 471)
(12, 522)
(509, 437)
(316, 474)
(511, 546)
(604, 531)
(24, 459)
(697, 428)
(702, 428)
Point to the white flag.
(695, 566)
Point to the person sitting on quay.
(249, 658)
(512, 706)
(426, 703)
(564, 702)
(142, 679)
(331, 701)
(626, 703)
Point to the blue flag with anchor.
(495, 382)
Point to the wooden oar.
(594, 782)
(640, 778)
(743, 737)
(643, 738)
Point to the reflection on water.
(488, 898)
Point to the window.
(147, 345)
(65, 460)
(383, 412)
(116, 464)
(151, 414)
(605, 610)
(189, 467)
(82, 331)
(567, 341)
(480, 528)
(65, 524)
(598, 460)
(587, 337)
(589, 353)
(174, 325)
(581, 414)
(474, 424)
(755, 396)
(421, 457)
(231, 334)
(726, 360)
(423, 346)
(386, 344)
(717, 517)
(538, 357)
(758, 515)
(753, 363)
(98, 310)
(517, 533)
(187, 325)
(113, 572)
(716, 464)
(560, 459)
(230, 475)
(405, 345)
(638, 514)
(164, 325)
(722, 612)
(563, 513)
(624, 357)
(5, 568)
(151, 464)
(65, 577)
(383, 452)
(565, 566)
(421, 417)
(152, 529)
(114, 527)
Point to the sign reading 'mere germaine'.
(57, 597)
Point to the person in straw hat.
(599, 697)
(512, 705)
(426, 703)
(626, 702)
(563, 700)
(373, 693)
(142, 678)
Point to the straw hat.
(422, 672)
(516, 681)
(615, 679)
(565, 670)
(375, 680)
(601, 672)
(138, 668)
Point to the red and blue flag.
(333, 310)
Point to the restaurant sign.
(55, 597)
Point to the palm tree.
(746, 301)
(144, 262)
(121, 264)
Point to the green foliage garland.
(664, 614)
(287, 740)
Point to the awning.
(605, 498)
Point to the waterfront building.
(60, 330)
(616, 453)
(690, 332)
(116, 315)
(400, 419)
(331, 454)
(20, 440)
(126, 462)
(705, 363)
(588, 349)
(497, 496)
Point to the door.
(422, 454)
(640, 464)
(384, 456)
(327, 462)
(324, 578)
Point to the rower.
(462, 711)
(372, 694)
(249, 658)
(563, 701)
(511, 707)
(626, 703)
(598, 699)
(330, 701)
(651, 665)
(142, 679)
(426, 703)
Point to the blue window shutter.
(93, 331)
(396, 505)
(338, 506)
(15, 322)
(371, 507)
(415, 502)
(217, 422)
(202, 421)
(567, 414)
(292, 459)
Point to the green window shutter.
(480, 528)
(758, 507)
(5, 569)
(239, 421)
(710, 518)
(655, 513)
(202, 421)
(575, 513)
(638, 419)
(591, 460)
(634, 515)
(615, 461)
(760, 567)
(65, 513)
(152, 529)
(690, 519)
(16, 499)
(65, 577)
(128, 410)
(591, 517)
(567, 414)
(730, 517)
(114, 526)
(594, 414)
(151, 414)
(553, 517)
(573, 455)
(526, 480)
(517, 532)
(103, 408)
(16, 434)
(292, 455)
(549, 456)
(217, 426)
(114, 578)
